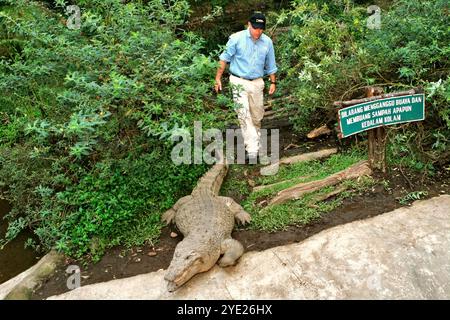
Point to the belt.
(241, 77)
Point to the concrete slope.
(403, 254)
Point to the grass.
(235, 185)
(297, 212)
(305, 172)
(304, 210)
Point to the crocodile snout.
(171, 286)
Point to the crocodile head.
(188, 261)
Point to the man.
(251, 56)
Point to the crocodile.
(206, 221)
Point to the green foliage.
(85, 118)
(317, 57)
(412, 196)
(303, 172)
(300, 211)
(296, 212)
(124, 196)
(306, 209)
(329, 54)
(10, 129)
(405, 150)
(86, 115)
(235, 185)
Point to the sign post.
(375, 112)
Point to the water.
(14, 258)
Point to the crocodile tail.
(212, 179)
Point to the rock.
(402, 254)
(21, 286)
(173, 235)
(152, 254)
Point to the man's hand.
(272, 88)
(218, 85)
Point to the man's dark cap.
(258, 20)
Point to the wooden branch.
(298, 158)
(318, 132)
(267, 186)
(358, 101)
(357, 170)
(329, 194)
(326, 196)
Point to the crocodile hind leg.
(169, 215)
(231, 250)
(239, 213)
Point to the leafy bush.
(86, 115)
(330, 54)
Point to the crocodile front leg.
(169, 215)
(231, 250)
(239, 213)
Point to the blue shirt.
(248, 58)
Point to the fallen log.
(318, 132)
(313, 203)
(357, 170)
(267, 186)
(323, 197)
(269, 170)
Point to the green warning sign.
(382, 112)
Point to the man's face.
(256, 33)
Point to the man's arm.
(220, 70)
(272, 83)
(225, 58)
(271, 68)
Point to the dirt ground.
(120, 263)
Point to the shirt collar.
(248, 33)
